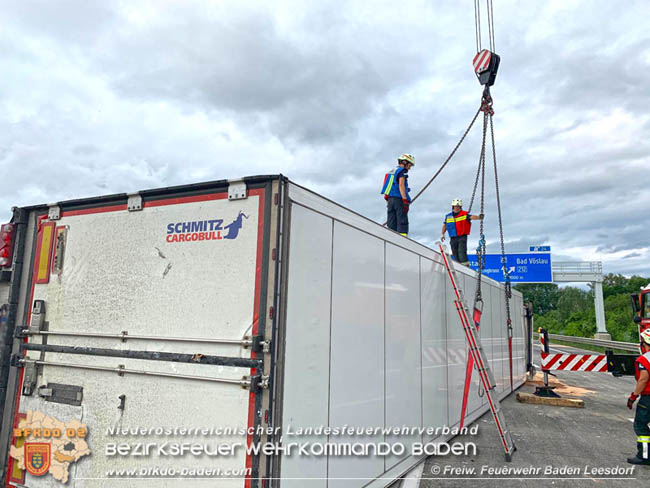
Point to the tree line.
(570, 310)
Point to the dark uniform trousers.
(459, 249)
(398, 220)
(641, 428)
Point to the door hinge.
(134, 202)
(256, 382)
(257, 344)
(237, 190)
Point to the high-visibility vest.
(643, 360)
(391, 183)
(458, 225)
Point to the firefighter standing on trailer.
(396, 193)
(458, 224)
(642, 417)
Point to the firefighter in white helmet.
(642, 416)
(396, 192)
(458, 224)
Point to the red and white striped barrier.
(596, 363)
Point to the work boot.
(636, 460)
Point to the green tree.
(549, 321)
(618, 315)
(544, 296)
(573, 300)
(616, 284)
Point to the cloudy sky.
(109, 96)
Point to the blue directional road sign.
(523, 268)
(540, 248)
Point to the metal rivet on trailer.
(120, 367)
(125, 333)
(122, 401)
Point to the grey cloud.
(313, 91)
(75, 22)
(632, 255)
(138, 95)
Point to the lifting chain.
(506, 273)
(486, 108)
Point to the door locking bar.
(23, 332)
(148, 355)
(254, 383)
(257, 343)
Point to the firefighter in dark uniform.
(396, 192)
(642, 417)
(458, 224)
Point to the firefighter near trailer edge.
(642, 393)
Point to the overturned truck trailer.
(196, 332)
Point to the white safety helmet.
(407, 158)
(645, 336)
(456, 202)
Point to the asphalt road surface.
(559, 446)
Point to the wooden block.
(556, 402)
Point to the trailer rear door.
(141, 336)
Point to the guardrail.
(623, 346)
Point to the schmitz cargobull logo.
(205, 230)
(37, 458)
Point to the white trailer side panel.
(499, 347)
(307, 347)
(391, 352)
(434, 345)
(357, 367)
(403, 347)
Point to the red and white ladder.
(478, 356)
